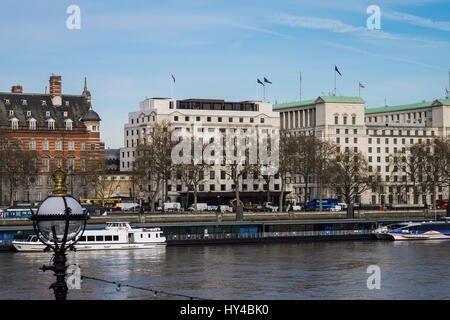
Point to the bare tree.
(324, 153)
(153, 163)
(303, 158)
(350, 177)
(192, 173)
(442, 158)
(98, 176)
(17, 165)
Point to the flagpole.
(359, 89)
(264, 90)
(335, 81)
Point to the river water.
(304, 270)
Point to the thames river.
(304, 270)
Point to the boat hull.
(434, 235)
(39, 247)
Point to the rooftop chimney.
(55, 90)
(16, 89)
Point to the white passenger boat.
(115, 236)
(382, 232)
(432, 230)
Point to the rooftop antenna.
(45, 89)
(385, 102)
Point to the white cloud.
(418, 21)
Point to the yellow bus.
(109, 203)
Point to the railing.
(262, 235)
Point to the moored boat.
(431, 230)
(115, 236)
(382, 232)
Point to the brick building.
(59, 127)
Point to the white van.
(200, 207)
(172, 206)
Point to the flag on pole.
(173, 78)
(446, 90)
(259, 81)
(361, 85)
(336, 69)
(267, 81)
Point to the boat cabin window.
(116, 238)
(157, 234)
(108, 238)
(90, 238)
(32, 239)
(99, 238)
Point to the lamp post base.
(59, 268)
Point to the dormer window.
(14, 124)
(28, 113)
(51, 124)
(32, 124)
(65, 114)
(67, 103)
(43, 102)
(7, 101)
(69, 125)
(47, 113)
(24, 102)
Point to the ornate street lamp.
(59, 224)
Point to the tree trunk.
(11, 193)
(195, 200)
(350, 211)
(320, 196)
(281, 195)
(448, 203)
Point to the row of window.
(32, 124)
(99, 238)
(399, 132)
(395, 140)
(58, 145)
(43, 103)
(396, 117)
(143, 119)
(223, 187)
(219, 119)
(344, 119)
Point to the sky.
(217, 49)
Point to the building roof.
(318, 100)
(38, 104)
(425, 104)
(90, 115)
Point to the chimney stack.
(16, 89)
(55, 90)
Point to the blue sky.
(217, 49)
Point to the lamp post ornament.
(59, 223)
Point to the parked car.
(212, 208)
(336, 208)
(200, 207)
(225, 208)
(343, 205)
(296, 208)
(268, 206)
